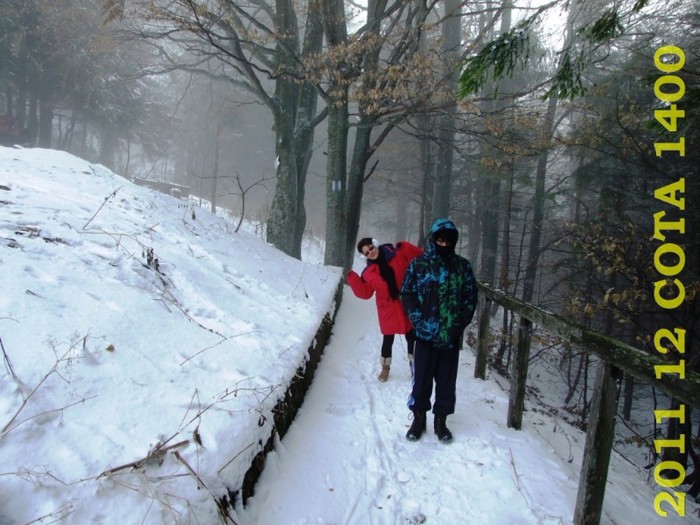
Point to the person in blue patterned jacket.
(440, 295)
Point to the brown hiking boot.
(384, 374)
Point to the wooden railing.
(616, 356)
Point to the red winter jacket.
(392, 316)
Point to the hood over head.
(445, 229)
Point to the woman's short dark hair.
(364, 242)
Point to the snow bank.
(145, 346)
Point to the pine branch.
(502, 55)
(499, 57)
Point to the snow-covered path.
(345, 460)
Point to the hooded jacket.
(391, 313)
(440, 293)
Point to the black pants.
(388, 343)
(438, 365)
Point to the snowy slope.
(106, 357)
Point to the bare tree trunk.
(402, 197)
(538, 202)
(474, 224)
(335, 184)
(547, 132)
(508, 172)
(489, 206)
(355, 189)
(489, 226)
(428, 175)
(503, 278)
(215, 168)
(307, 106)
(108, 147)
(282, 224)
(45, 124)
(32, 119)
(451, 32)
(362, 150)
(287, 219)
(628, 397)
(425, 129)
(336, 171)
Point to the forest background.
(531, 126)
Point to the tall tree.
(246, 45)
(450, 53)
(362, 149)
(382, 100)
(340, 76)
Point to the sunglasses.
(366, 250)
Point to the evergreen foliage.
(498, 58)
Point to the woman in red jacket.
(383, 277)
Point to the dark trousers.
(388, 343)
(438, 365)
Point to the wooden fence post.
(516, 403)
(483, 350)
(615, 357)
(599, 442)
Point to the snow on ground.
(105, 358)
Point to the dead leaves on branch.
(398, 80)
(379, 89)
(620, 254)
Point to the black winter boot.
(441, 431)
(417, 427)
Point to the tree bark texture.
(292, 102)
(516, 403)
(598, 447)
(336, 171)
(451, 33)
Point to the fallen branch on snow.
(52, 370)
(158, 452)
(8, 363)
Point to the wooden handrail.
(615, 355)
(627, 358)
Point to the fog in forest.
(560, 137)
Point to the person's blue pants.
(434, 365)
